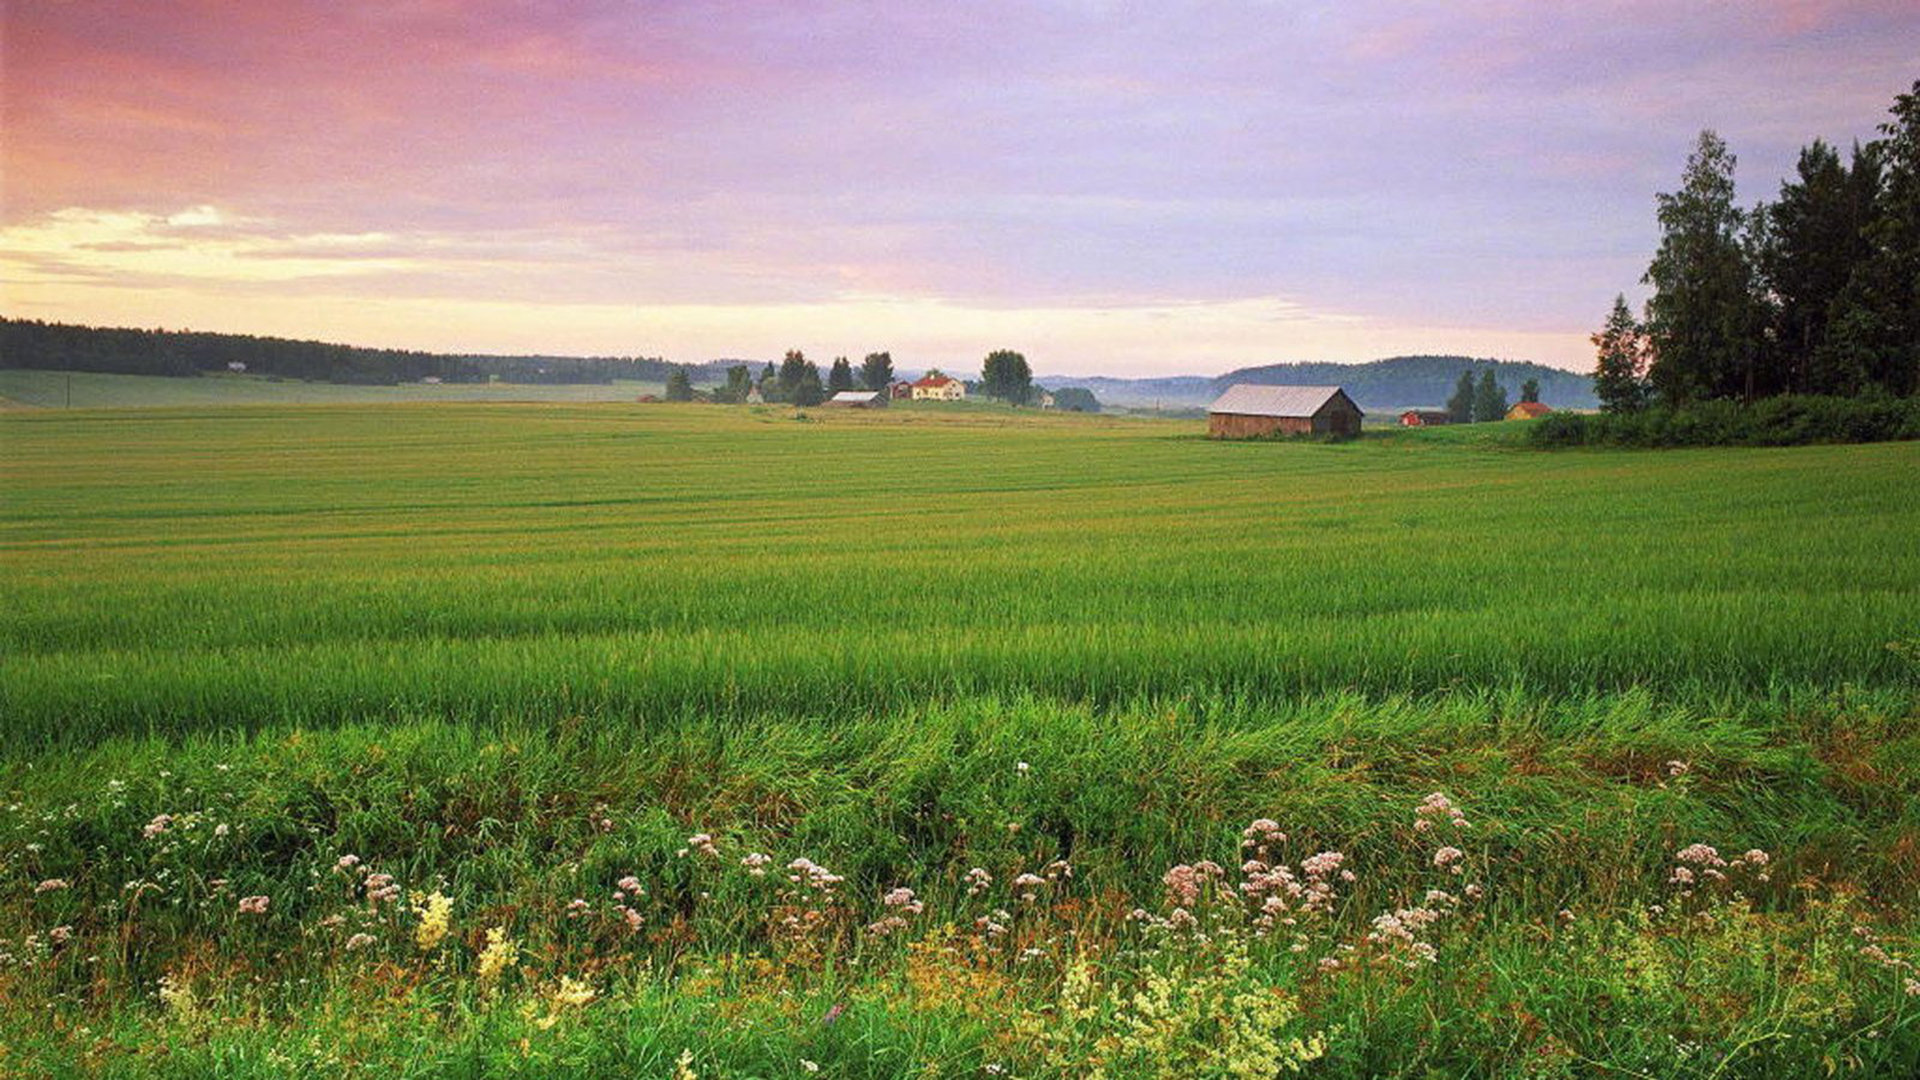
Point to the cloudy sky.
(1119, 188)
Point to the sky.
(1109, 188)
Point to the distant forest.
(60, 347)
(1404, 381)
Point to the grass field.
(516, 655)
(20, 387)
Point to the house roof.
(934, 380)
(1250, 399)
(1529, 409)
(854, 397)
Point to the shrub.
(1792, 420)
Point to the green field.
(21, 387)
(512, 654)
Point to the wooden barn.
(1249, 411)
(1425, 417)
(1528, 410)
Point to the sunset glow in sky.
(1110, 188)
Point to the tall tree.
(1703, 314)
(807, 389)
(1875, 325)
(1530, 390)
(679, 385)
(739, 385)
(840, 376)
(1620, 374)
(770, 384)
(1816, 233)
(792, 369)
(1006, 376)
(877, 370)
(1460, 405)
(1489, 399)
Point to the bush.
(1792, 420)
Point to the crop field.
(574, 738)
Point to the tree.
(1816, 234)
(1620, 374)
(1006, 376)
(679, 385)
(877, 370)
(770, 384)
(739, 384)
(1703, 315)
(1875, 324)
(1460, 405)
(807, 390)
(1075, 399)
(1489, 399)
(840, 377)
(792, 369)
(1530, 390)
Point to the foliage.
(1489, 399)
(1620, 374)
(1702, 316)
(840, 376)
(876, 371)
(1777, 421)
(1006, 376)
(1075, 399)
(1530, 390)
(679, 385)
(739, 386)
(1460, 405)
(1399, 382)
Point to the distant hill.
(1420, 381)
(1170, 392)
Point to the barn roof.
(854, 397)
(1529, 410)
(1249, 399)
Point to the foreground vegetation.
(686, 741)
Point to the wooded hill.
(1406, 381)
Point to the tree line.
(1478, 401)
(28, 343)
(1817, 292)
(796, 380)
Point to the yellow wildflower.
(434, 912)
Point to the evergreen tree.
(877, 370)
(1874, 333)
(679, 385)
(807, 390)
(840, 376)
(1816, 234)
(1460, 405)
(792, 369)
(1703, 315)
(1530, 390)
(1489, 399)
(739, 385)
(770, 384)
(1006, 376)
(1620, 374)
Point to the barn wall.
(1236, 426)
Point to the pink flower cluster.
(50, 885)
(253, 905)
(978, 881)
(701, 843)
(158, 825)
(1027, 885)
(382, 889)
(900, 905)
(1702, 862)
(1398, 935)
(756, 863)
(1438, 809)
(1185, 884)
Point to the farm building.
(859, 399)
(900, 391)
(1248, 411)
(1528, 410)
(934, 386)
(1425, 417)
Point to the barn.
(1528, 410)
(1249, 411)
(859, 399)
(1425, 417)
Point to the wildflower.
(978, 881)
(253, 905)
(497, 956)
(756, 863)
(1680, 876)
(1022, 767)
(1677, 768)
(177, 995)
(633, 917)
(59, 934)
(157, 826)
(701, 843)
(1447, 858)
(576, 908)
(1436, 807)
(1912, 987)
(1025, 884)
(1700, 855)
(1060, 868)
(1473, 892)
(434, 911)
(381, 889)
(631, 885)
(1261, 833)
(810, 1066)
(683, 1066)
(812, 875)
(359, 941)
(50, 885)
(346, 862)
(221, 829)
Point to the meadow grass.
(567, 670)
